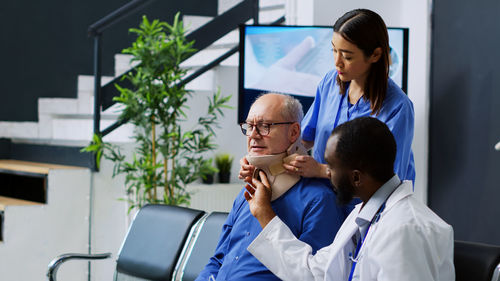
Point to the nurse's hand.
(258, 196)
(246, 170)
(307, 166)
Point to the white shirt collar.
(368, 212)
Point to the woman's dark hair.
(367, 30)
(366, 144)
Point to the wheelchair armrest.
(55, 263)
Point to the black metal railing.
(203, 36)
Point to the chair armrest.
(496, 273)
(55, 263)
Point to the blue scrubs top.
(308, 209)
(331, 109)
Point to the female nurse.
(358, 86)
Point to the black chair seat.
(204, 246)
(475, 261)
(152, 247)
(155, 241)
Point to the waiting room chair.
(476, 261)
(203, 246)
(152, 246)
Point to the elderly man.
(389, 236)
(306, 205)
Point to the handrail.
(55, 263)
(99, 26)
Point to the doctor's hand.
(258, 197)
(246, 170)
(306, 166)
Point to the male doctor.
(389, 236)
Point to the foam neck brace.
(272, 165)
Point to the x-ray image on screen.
(294, 59)
(291, 60)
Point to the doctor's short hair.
(366, 144)
(291, 108)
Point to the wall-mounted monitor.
(293, 59)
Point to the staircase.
(73, 207)
(65, 121)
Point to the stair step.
(192, 23)
(204, 57)
(205, 82)
(86, 82)
(271, 4)
(264, 5)
(227, 41)
(232, 61)
(57, 105)
(18, 129)
(77, 129)
(224, 5)
(123, 64)
(270, 15)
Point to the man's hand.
(259, 199)
(306, 166)
(246, 170)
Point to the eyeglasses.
(263, 129)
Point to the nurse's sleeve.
(309, 123)
(287, 257)
(414, 253)
(401, 123)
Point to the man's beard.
(344, 191)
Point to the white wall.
(229, 138)
(412, 14)
(109, 219)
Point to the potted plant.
(167, 156)
(224, 162)
(208, 171)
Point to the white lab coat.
(409, 242)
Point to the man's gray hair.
(291, 109)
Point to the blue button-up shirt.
(308, 209)
(331, 109)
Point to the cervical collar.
(272, 165)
